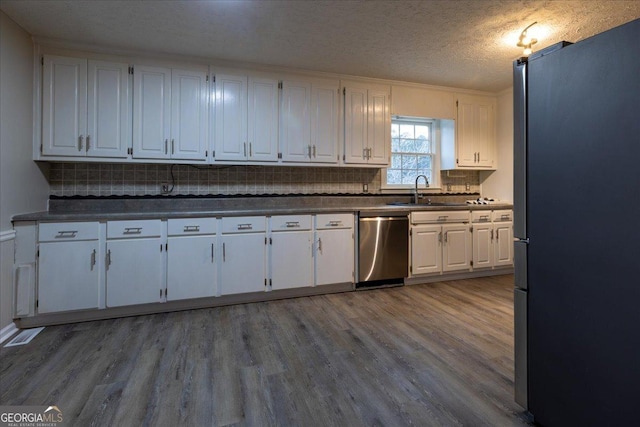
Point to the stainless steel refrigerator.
(577, 228)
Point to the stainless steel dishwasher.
(383, 255)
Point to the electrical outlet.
(467, 186)
(164, 187)
(365, 188)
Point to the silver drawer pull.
(335, 223)
(292, 224)
(93, 259)
(70, 234)
(484, 217)
(191, 228)
(443, 217)
(132, 230)
(245, 227)
(505, 216)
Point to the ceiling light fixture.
(525, 41)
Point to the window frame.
(434, 183)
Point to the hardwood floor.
(434, 354)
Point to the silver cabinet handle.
(108, 259)
(364, 153)
(440, 237)
(292, 224)
(132, 230)
(224, 253)
(245, 149)
(445, 236)
(505, 217)
(191, 228)
(335, 223)
(212, 252)
(443, 217)
(88, 142)
(320, 244)
(69, 234)
(245, 227)
(497, 235)
(250, 151)
(80, 144)
(166, 146)
(309, 151)
(173, 146)
(314, 151)
(93, 259)
(491, 234)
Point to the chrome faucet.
(417, 195)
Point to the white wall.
(499, 184)
(23, 186)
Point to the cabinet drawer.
(326, 221)
(243, 224)
(439, 217)
(290, 223)
(503, 216)
(191, 226)
(481, 216)
(133, 229)
(65, 231)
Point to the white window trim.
(435, 165)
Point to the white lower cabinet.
(440, 242)
(243, 264)
(492, 239)
(290, 252)
(134, 262)
(191, 259)
(334, 249)
(68, 267)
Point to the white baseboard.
(7, 332)
(7, 235)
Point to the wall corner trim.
(7, 235)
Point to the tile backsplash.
(102, 179)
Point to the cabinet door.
(263, 120)
(482, 245)
(68, 277)
(456, 247)
(108, 110)
(334, 256)
(485, 133)
(231, 117)
(64, 106)
(243, 267)
(151, 112)
(466, 149)
(324, 122)
(188, 115)
(355, 124)
(295, 131)
(503, 244)
(379, 128)
(426, 249)
(291, 261)
(191, 267)
(134, 271)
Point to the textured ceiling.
(466, 44)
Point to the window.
(413, 152)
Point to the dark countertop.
(101, 209)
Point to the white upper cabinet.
(309, 121)
(367, 124)
(170, 113)
(230, 117)
(246, 118)
(85, 108)
(475, 140)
